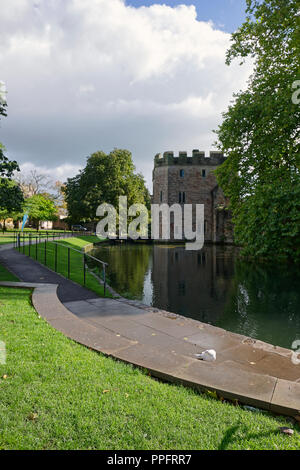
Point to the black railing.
(68, 261)
(13, 233)
(21, 237)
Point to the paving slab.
(114, 307)
(153, 360)
(82, 308)
(165, 343)
(279, 366)
(101, 340)
(175, 327)
(134, 331)
(286, 398)
(208, 340)
(257, 344)
(230, 382)
(245, 354)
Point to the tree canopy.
(260, 133)
(104, 178)
(40, 208)
(11, 197)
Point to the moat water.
(213, 286)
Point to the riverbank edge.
(282, 397)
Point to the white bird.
(209, 355)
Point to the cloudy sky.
(87, 75)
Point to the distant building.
(190, 180)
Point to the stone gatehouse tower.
(190, 180)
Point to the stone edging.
(263, 391)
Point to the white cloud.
(191, 106)
(58, 173)
(2, 93)
(97, 74)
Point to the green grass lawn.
(4, 240)
(37, 251)
(56, 394)
(80, 242)
(6, 275)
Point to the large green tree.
(40, 208)
(260, 133)
(104, 179)
(11, 197)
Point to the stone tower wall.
(198, 188)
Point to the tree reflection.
(127, 267)
(265, 303)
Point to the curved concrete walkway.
(246, 370)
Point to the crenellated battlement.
(198, 158)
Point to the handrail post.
(55, 264)
(69, 263)
(84, 269)
(45, 253)
(104, 278)
(36, 248)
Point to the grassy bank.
(56, 394)
(6, 275)
(6, 239)
(80, 242)
(56, 257)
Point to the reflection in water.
(128, 267)
(212, 286)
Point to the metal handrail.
(14, 232)
(42, 233)
(79, 251)
(56, 244)
(84, 263)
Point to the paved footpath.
(248, 370)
